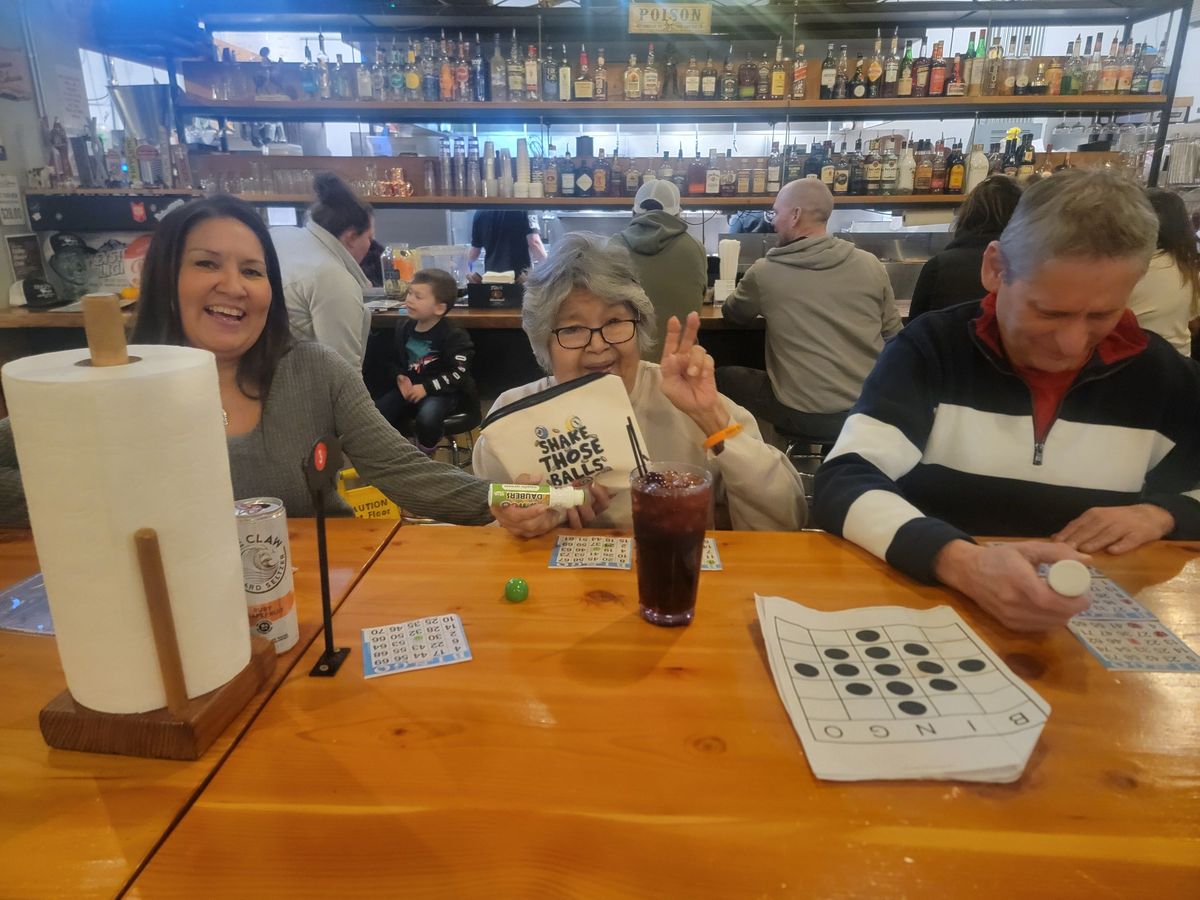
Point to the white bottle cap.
(1069, 577)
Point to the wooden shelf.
(893, 201)
(560, 112)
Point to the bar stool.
(459, 439)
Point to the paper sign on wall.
(11, 210)
(73, 99)
(670, 18)
(15, 81)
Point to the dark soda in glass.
(672, 506)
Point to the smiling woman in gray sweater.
(211, 280)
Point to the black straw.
(638, 456)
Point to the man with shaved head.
(829, 307)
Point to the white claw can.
(267, 570)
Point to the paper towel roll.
(103, 452)
(728, 251)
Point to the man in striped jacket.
(1041, 411)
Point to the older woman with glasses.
(585, 312)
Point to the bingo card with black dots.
(419, 644)
(887, 692)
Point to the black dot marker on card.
(858, 688)
(836, 653)
(899, 687)
(847, 669)
(888, 669)
(878, 652)
(930, 668)
(912, 707)
(972, 665)
(943, 684)
(867, 635)
(806, 670)
(916, 649)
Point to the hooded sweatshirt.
(671, 266)
(829, 306)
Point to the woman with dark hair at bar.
(322, 278)
(1167, 299)
(211, 280)
(952, 276)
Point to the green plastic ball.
(516, 590)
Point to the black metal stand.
(320, 469)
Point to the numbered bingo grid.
(419, 644)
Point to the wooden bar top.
(585, 753)
(80, 824)
(24, 317)
(510, 318)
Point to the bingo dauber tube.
(534, 495)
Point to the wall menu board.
(670, 18)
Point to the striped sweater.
(941, 444)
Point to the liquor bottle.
(747, 79)
(841, 173)
(758, 179)
(633, 79)
(977, 168)
(956, 86)
(793, 165)
(445, 72)
(977, 67)
(904, 84)
(828, 166)
(633, 179)
(858, 170)
(923, 175)
(1025, 68)
(906, 169)
(462, 73)
(709, 79)
(532, 74)
(550, 173)
(308, 77)
(324, 91)
(857, 88)
(680, 178)
(697, 176)
(380, 82)
(479, 80)
(565, 80)
(712, 175)
(993, 69)
(762, 78)
(744, 174)
(728, 175)
(800, 74)
(1128, 65)
(516, 79)
(729, 81)
(498, 75)
(891, 67)
(669, 84)
(1026, 160)
(779, 74)
(409, 80)
(589, 85)
(1095, 65)
(550, 74)
(666, 171)
(1157, 79)
(873, 68)
(691, 80)
(774, 169)
(343, 87)
(1110, 69)
(566, 176)
(828, 75)
(1008, 69)
(956, 171)
(874, 169)
(1141, 72)
(1040, 86)
(889, 169)
(841, 78)
(1054, 77)
(651, 84)
(937, 72)
(921, 67)
(364, 81)
(1010, 163)
(601, 175)
(937, 170)
(1066, 80)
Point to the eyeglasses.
(576, 337)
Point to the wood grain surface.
(79, 824)
(585, 753)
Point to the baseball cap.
(664, 192)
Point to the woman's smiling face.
(583, 309)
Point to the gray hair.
(582, 261)
(1078, 214)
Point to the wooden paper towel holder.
(186, 727)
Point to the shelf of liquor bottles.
(869, 201)
(622, 111)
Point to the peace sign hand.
(688, 379)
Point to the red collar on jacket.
(1125, 340)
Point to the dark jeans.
(425, 419)
(752, 389)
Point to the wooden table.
(80, 824)
(585, 753)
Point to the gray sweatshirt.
(315, 392)
(828, 307)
